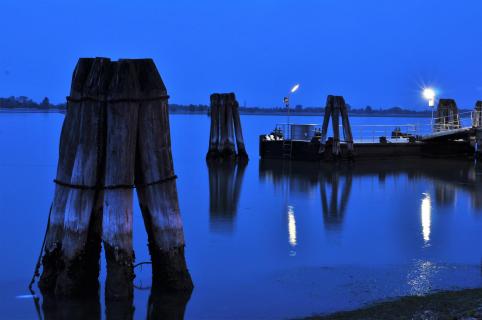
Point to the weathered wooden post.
(242, 154)
(156, 185)
(334, 106)
(227, 128)
(447, 115)
(225, 125)
(213, 151)
(115, 137)
(76, 162)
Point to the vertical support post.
(122, 115)
(335, 118)
(69, 140)
(81, 240)
(227, 130)
(326, 121)
(242, 154)
(213, 150)
(347, 134)
(156, 188)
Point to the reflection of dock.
(334, 180)
(225, 182)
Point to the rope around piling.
(96, 99)
(113, 187)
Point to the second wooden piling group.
(225, 128)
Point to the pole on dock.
(115, 137)
(225, 128)
(335, 105)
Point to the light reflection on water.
(426, 212)
(359, 232)
(421, 276)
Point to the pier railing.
(361, 133)
(373, 133)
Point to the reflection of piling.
(115, 137)
(335, 105)
(225, 182)
(225, 126)
(334, 210)
(164, 305)
(72, 309)
(444, 194)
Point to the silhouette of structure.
(225, 128)
(336, 106)
(115, 137)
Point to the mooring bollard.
(225, 124)
(115, 137)
(335, 105)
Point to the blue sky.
(374, 52)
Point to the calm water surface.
(267, 240)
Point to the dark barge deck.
(301, 150)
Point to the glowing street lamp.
(295, 88)
(286, 99)
(429, 95)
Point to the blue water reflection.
(269, 239)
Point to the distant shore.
(260, 113)
(23, 104)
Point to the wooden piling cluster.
(447, 115)
(225, 128)
(115, 137)
(336, 106)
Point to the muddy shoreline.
(463, 304)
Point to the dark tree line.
(45, 104)
(23, 102)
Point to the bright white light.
(291, 226)
(429, 94)
(295, 87)
(426, 212)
